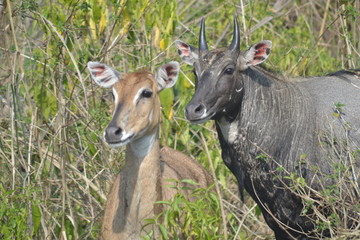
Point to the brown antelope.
(135, 123)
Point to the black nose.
(194, 111)
(113, 134)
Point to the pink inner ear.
(99, 70)
(261, 49)
(261, 52)
(170, 72)
(184, 49)
(186, 52)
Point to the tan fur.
(142, 181)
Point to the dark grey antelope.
(271, 127)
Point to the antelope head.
(218, 74)
(137, 104)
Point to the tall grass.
(56, 170)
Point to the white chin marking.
(199, 121)
(126, 138)
(205, 117)
(116, 145)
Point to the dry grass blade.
(79, 75)
(216, 186)
(52, 117)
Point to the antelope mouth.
(204, 118)
(207, 115)
(121, 142)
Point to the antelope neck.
(142, 147)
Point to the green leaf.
(258, 211)
(167, 99)
(163, 231)
(190, 181)
(36, 217)
(301, 181)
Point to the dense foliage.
(56, 170)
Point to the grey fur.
(295, 124)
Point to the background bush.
(56, 170)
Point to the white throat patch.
(141, 147)
(228, 130)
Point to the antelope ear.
(257, 53)
(187, 52)
(102, 74)
(167, 75)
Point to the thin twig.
(12, 24)
(13, 102)
(244, 22)
(55, 159)
(69, 53)
(25, 56)
(223, 215)
(324, 18)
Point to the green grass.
(56, 170)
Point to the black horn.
(235, 43)
(202, 38)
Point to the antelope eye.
(229, 71)
(146, 94)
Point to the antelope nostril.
(118, 131)
(113, 134)
(195, 111)
(199, 108)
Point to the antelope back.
(136, 101)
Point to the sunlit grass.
(52, 116)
